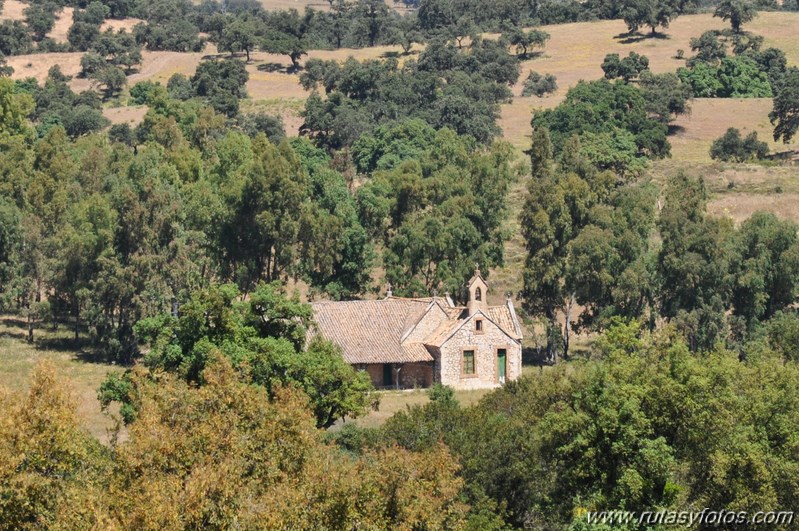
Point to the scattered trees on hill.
(40, 18)
(570, 222)
(731, 147)
(447, 87)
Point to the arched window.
(478, 294)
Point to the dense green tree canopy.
(629, 430)
(264, 336)
(448, 87)
(603, 106)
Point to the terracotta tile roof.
(370, 331)
(502, 316)
(443, 332)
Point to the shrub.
(539, 84)
(730, 147)
(441, 393)
(628, 68)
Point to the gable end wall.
(485, 346)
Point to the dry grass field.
(132, 115)
(738, 190)
(76, 367)
(575, 52)
(13, 10)
(710, 118)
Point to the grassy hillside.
(574, 52)
(82, 371)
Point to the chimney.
(389, 292)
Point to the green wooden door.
(502, 359)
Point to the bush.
(140, 92)
(539, 84)
(441, 393)
(82, 120)
(179, 87)
(627, 69)
(271, 126)
(730, 147)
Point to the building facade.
(404, 343)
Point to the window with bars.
(468, 362)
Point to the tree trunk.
(554, 338)
(30, 320)
(567, 328)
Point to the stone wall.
(375, 372)
(485, 345)
(416, 375)
(410, 375)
